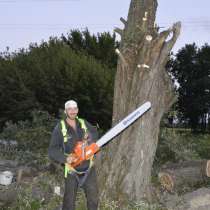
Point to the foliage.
(191, 69)
(31, 135)
(101, 47)
(45, 76)
(177, 144)
(38, 194)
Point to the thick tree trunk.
(140, 77)
(175, 177)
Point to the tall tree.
(16, 100)
(140, 77)
(100, 46)
(191, 69)
(204, 83)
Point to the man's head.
(71, 109)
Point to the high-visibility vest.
(69, 168)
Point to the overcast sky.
(26, 21)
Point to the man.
(65, 137)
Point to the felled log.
(187, 173)
(196, 200)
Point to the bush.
(181, 144)
(30, 136)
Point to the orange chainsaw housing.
(81, 154)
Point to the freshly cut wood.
(208, 168)
(176, 175)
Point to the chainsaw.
(83, 152)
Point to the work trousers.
(90, 188)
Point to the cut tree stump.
(188, 173)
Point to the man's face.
(72, 112)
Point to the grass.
(174, 145)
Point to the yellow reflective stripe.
(69, 169)
(64, 131)
(91, 162)
(82, 122)
(66, 170)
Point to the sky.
(28, 21)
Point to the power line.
(186, 24)
(53, 26)
(163, 23)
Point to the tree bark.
(174, 177)
(140, 77)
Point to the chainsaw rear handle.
(82, 155)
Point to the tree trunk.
(174, 177)
(140, 77)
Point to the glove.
(72, 158)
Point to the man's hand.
(71, 159)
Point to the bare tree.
(140, 77)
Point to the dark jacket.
(58, 150)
